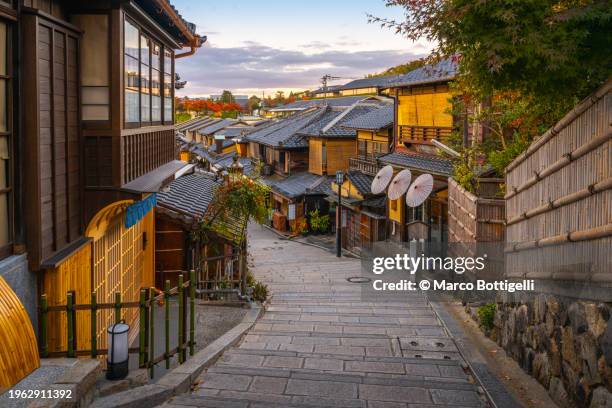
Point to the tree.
(554, 51)
(401, 69)
(253, 103)
(227, 97)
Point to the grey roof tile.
(221, 124)
(444, 70)
(305, 104)
(190, 194)
(376, 119)
(361, 181)
(295, 185)
(284, 133)
(421, 162)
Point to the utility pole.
(339, 182)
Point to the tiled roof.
(444, 70)
(221, 124)
(337, 118)
(284, 133)
(322, 186)
(361, 181)
(376, 119)
(223, 162)
(234, 131)
(421, 162)
(295, 185)
(226, 143)
(301, 105)
(377, 82)
(376, 201)
(195, 124)
(190, 194)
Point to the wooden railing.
(423, 134)
(143, 150)
(367, 165)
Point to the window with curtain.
(5, 142)
(168, 85)
(131, 72)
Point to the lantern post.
(339, 182)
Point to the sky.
(261, 46)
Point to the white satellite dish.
(399, 185)
(382, 179)
(420, 190)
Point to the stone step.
(234, 399)
(257, 357)
(424, 376)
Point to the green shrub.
(250, 280)
(319, 222)
(260, 292)
(486, 314)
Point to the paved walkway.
(320, 345)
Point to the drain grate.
(358, 279)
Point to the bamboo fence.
(145, 308)
(559, 198)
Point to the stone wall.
(565, 344)
(14, 270)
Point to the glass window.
(168, 86)
(156, 83)
(131, 74)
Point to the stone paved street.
(320, 345)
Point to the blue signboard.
(137, 211)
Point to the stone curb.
(179, 379)
(79, 379)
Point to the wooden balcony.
(423, 134)
(145, 149)
(365, 164)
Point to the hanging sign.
(137, 211)
(291, 212)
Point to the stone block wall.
(14, 270)
(566, 344)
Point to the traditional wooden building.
(216, 253)
(330, 143)
(363, 218)
(92, 100)
(279, 146)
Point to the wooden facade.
(423, 113)
(95, 136)
(327, 155)
(558, 200)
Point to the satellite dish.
(382, 179)
(400, 184)
(419, 190)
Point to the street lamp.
(339, 182)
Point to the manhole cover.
(358, 279)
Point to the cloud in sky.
(253, 67)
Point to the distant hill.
(400, 69)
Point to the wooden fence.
(475, 218)
(147, 330)
(558, 200)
